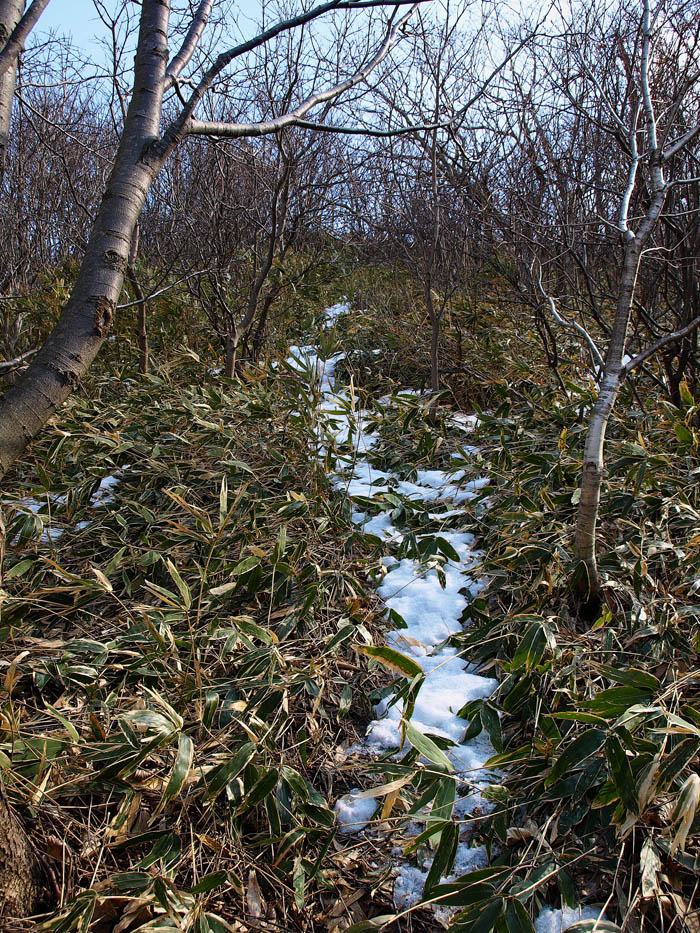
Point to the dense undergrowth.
(599, 730)
(177, 675)
(180, 681)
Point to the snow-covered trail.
(431, 610)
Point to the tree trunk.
(10, 14)
(230, 356)
(262, 324)
(588, 587)
(143, 336)
(20, 874)
(434, 338)
(435, 355)
(86, 320)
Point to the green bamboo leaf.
(517, 918)
(492, 723)
(621, 772)
(149, 719)
(247, 625)
(376, 923)
(594, 926)
(531, 648)
(215, 780)
(683, 433)
(181, 768)
(684, 811)
(299, 882)
(417, 841)
(444, 857)
(444, 800)
(68, 726)
(18, 569)
(216, 924)
(686, 394)
(582, 748)
(223, 501)
(426, 747)
(579, 717)
(179, 583)
(166, 849)
(447, 549)
(134, 882)
(245, 565)
(264, 786)
(615, 701)
(481, 919)
(343, 633)
(631, 677)
(495, 762)
(675, 762)
(649, 868)
(391, 659)
(466, 892)
(223, 589)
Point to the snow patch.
(354, 812)
(408, 887)
(54, 528)
(465, 422)
(335, 311)
(553, 920)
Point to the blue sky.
(73, 17)
(79, 19)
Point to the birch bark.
(87, 318)
(588, 587)
(10, 15)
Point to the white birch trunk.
(10, 14)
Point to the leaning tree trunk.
(434, 350)
(142, 321)
(230, 355)
(434, 338)
(86, 320)
(10, 14)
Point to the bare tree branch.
(237, 130)
(367, 131)
(681, 143)
(15, 44)
(161, 291)
(659, 345)
(574, 325)
(189, 44)
(6, 365)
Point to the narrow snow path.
(431, 609)
(430, 599)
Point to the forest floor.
(294, 652)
